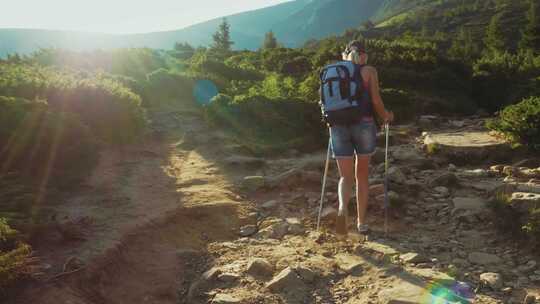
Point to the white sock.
(344, 193)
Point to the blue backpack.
(344, 100)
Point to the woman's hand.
(389, 117)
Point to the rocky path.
(186, 219)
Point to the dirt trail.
(162, 221)
(143, 209)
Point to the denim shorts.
(359, 139)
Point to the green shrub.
(111, 110)
(163, 86)
(13, 258)
(290, 123)
(45, 144)
(520, 122)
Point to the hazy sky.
(119, 16)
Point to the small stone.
(452, 167)
(442, 190)
(396, 175)
(497, 168)
(259, 267)
(491, 279)
(509, 171)
(248, 230)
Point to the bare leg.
(362, 186)
(346, 171)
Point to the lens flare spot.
(204, 91)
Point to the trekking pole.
(324, 183)
(386, 198)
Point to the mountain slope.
(293, 22)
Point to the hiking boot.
(341, 222)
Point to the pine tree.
(530, 36)
(495, 40)
(222, 38)
(270, 41)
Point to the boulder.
(481, 258)
(525, 201)
(223, 298)
(413, 257)
(295, 226)
(248, 230)
(469, 203)
(433, 276)
(351, 264)
(446, 179)
(466, 147)
(491, 279)
(286, 280)
(259, 267)
(253, 183)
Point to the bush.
(162, 86)
(111, 110)
(14, 257)
(278, 122)
(44, 144)
(520, 122)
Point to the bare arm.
(376, 96)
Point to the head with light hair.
(355, 52)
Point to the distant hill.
(293, 22)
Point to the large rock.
(481, 258)
(259, 267)
(349, 263)
(466, 147)
(446, 179)
(286, 280)
(253, 183)
(248, 230)
(433, 276)
(406, 153)
(405, 292)
(525, 201)
(223, 298)
(413, 257)
(491, 279)
(277, 230)
(469, 203)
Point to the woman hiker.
(357, 139)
